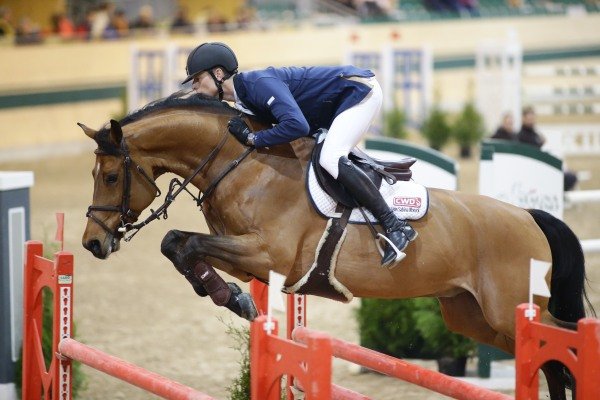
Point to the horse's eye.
(112, 178)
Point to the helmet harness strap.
(218, 83)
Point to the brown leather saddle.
(376, 170)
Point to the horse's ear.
(88, 131)
(116, 133)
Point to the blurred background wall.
(68, 61)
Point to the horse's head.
(123, 188)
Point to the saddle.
(376, 170)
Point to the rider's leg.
(367, 195)
(345, 132)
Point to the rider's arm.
(274, 96)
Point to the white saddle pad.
(408, 200)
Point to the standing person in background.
(529, 135)
(506, 130)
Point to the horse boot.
(398, 232)
(224, 294)
(204, 279)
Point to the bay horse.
(473, 252)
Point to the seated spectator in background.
(442, 6)
(245, 17)
(145, 20)
(506, 130)
(373, 8)
(182, 23)
(119, 24)
(215, 21)
(84, 27)
(6, 25)
(100, 21)
(28, 32)
(62, 26)
(528, 135)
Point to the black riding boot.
(367, 195)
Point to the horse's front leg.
(204, 278)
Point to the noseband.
(128, 216)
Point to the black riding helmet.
(208, 56)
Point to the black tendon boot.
(397, 232)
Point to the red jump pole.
(130, 373)
(408, 372)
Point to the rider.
(298, 101)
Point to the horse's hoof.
(242, 304)
(249, 311)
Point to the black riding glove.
(241, 131)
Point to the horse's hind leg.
(462, 314)
(556, 377)
(204, 278)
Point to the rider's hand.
(240, 130)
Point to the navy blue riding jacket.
(299, 100)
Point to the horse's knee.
(175, 247)
(172, 242)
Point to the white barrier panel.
(432, 169)
(522, 175)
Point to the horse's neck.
(177, 142)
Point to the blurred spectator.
(470, 7)
(245, 17)
(443, 6)
(506, 130)
(373, 8)
(6, 25)
(528, 135)
(28, 32)
(215, 21)
(120, 24)
(100, 20)
(62, 26)
(84, 27)
(182, 23)
(145, 19)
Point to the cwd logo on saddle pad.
(407, 204)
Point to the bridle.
(127, 229)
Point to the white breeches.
(348, 128)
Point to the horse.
(472, 253)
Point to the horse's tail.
(567, 285)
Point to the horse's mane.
(180, 99)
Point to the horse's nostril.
(94, 247)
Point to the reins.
(128, 229)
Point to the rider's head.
(209, 57)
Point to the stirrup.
(399, 253)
